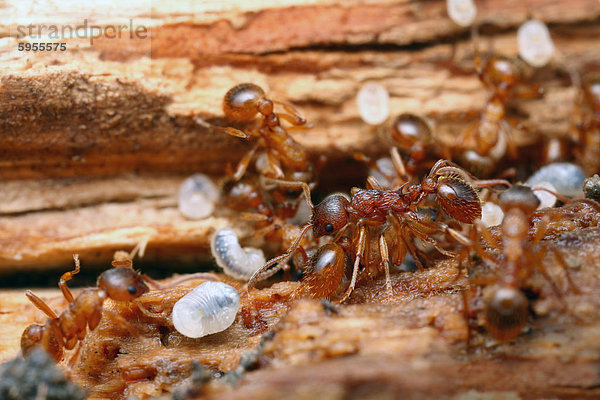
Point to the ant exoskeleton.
(483, 143)
(507, 308)
(241, 104)
(366, 215)
(588, 153)
(65, 331)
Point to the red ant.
(65, 331)
(367, 213)
(484, 143)
(242, 103)
(507, 307)
(589, 130)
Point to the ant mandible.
(372, 208)
(65, 331)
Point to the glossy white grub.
(547, 199)
(237, 262)
(491, 214)
(373, 103)
(567, 178)
(535, 44)
(462, 12)
(210, 308)
(197, 197)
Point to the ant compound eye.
(329, 228)
(132, 289)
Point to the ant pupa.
(237, 262)
(209, 308)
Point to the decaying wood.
(412, 344)
(95, 141)
(108, 109)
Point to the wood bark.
(94, 142)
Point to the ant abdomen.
(506, 313)
(458, 199)
(409, 129)
(242, 102)
(324, 272)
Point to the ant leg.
(359, 249)
(264, 273)
(148, 313)
(67, 276)
(40, 304)
(293, 116)
(372, 183)
(293, 185)
(275, 165)
(385, 257)
(123, 322)
(242, 166)
(398, 164)
(480, 183)
(563, 263)
(235, 132)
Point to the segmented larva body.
(237, 262)
(210, 308)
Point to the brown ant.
(65, 331)
(589, 129)
(241, 104)
(507, 307)
(366, 214)
(483, 143)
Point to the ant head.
(506, 313)
(408, 129)
(241, 102)
(122, 284)
(521, 197)
(330, 215)
(458, 199)
(501, 73)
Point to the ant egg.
(546, 199)
(462, 12)
(197, 197)
(535, 44)
(373, 103)
(491, 214)
(237, 262)
(210, 308)
(567, 178)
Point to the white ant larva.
(197, 197)
(535, 44)
(237, 262)
(210, 308)
(373, 103)
(567, 178)
(462, 12)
